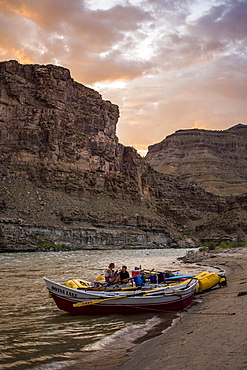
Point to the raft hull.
(160, 301)
(123, 309)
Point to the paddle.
(106, 284)
(88, 303)
(155, 272)
(95, 301)
(144, 293)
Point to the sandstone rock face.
(215, 160)
(53, 120)
(66, 182)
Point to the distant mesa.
(215, 160)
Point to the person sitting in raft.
(124, 273)
(111, 276)
(138, 268)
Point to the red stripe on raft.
(108, 309)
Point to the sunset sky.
(168, 64)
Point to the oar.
(153, 270)
(148, 273)
(104, 285)
(88, 303)
(95, 301)
(144, 293)
(150, 293)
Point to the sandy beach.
(211, 334)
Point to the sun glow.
(22, 56)
(109, 85)
(199, 124)
(142, 152)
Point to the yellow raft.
(207, 280)
(83, 284)
(78, 283)
(101, 277)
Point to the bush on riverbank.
(223, 245)
(43, 245)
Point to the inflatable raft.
(78, 284)
(87, 285)
(208, 280)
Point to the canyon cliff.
(67, 183)
(214, 160)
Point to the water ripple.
(36, 335)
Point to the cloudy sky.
(168, 64)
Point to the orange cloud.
(22, 56)
(183, 65)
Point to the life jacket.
(138, 280)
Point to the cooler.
(136, 272)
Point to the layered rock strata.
(215, 160)
(67, 183)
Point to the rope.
(156, 309)
(210, 313)
(225, 293)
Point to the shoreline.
(209, 334)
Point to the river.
(36, 335)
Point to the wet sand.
(209, 335)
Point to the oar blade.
(95, 301)
(87, 303)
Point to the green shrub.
(224, 245)
(44, 245)
(211, 246)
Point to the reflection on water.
(36, 335)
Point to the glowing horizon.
(167, 65)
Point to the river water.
(36, 335)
